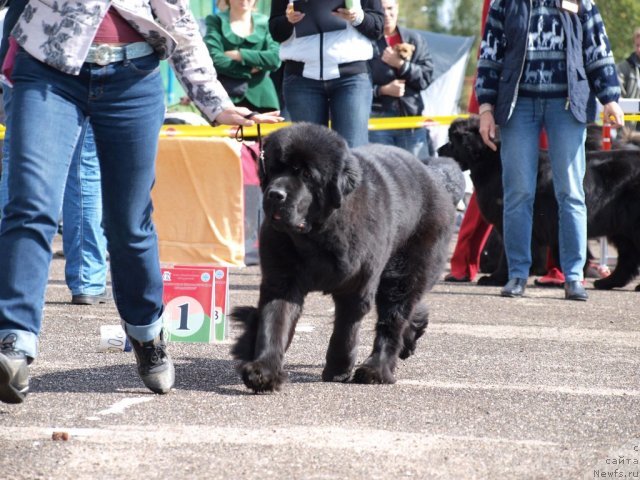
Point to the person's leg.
(519, 153)
(567, 154)
(384, 137)
(83, 237)
(126, 108)
(306, 99)
(415, 141)
(350, 104)
(45, 126)
(6, 100)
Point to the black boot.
(14, 371)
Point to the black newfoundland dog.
(368, 226)
(612, 189)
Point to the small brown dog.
(404, 50)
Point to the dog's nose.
(276, 194)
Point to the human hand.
(613, 115)
(348, 14)
(234, 55)
(488, 129)
(245, 117)
(292, 15)
(395, 88)
(392, 58)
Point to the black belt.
(292, 67)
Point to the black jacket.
(371, 27)
(417, 73)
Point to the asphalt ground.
(530, 388)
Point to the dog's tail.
(244, 348)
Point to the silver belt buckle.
(103, 54)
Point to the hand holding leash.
(613, 115)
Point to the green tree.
(621, 17)
(423, 14)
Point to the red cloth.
(394, 39)
(249, 156)
(473, 234)
(115, 29)
(10, 59)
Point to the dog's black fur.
(367, 225)
(612, 190)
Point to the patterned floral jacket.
(59, 33)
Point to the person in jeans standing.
(398, 83)
(62, 80)
(84, 243)
(537, 61)
(325, 54)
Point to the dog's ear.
(272, 153)
(345, 181)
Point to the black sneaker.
(14, 371)
(154, 364)
(87, 299)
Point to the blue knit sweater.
(543, 64)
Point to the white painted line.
(570, 334)
(119, 407)
(305, 328)
(557, 389)
(360, 440)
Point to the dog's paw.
(490, 281)
(606, 283)
(260, 378)
(408, 349)
(369, 375)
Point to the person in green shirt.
(244, 53)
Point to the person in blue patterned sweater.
(540, 64)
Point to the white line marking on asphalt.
(326, 437)
(305, 328)
(570, 334)
(122, 405)
(562, 389)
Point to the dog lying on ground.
(612, 190)
(367, 226)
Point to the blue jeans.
(125, 104)
(6, 100)
(346, 101)
(413, 140)
(83, 239)
(519, 153)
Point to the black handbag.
(235, 87)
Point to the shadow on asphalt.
(192, 374)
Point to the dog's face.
(308, 172)
(405, 50)
(465, 144)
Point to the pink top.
(115, 29)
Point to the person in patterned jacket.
(96, 62)
(541, 62)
